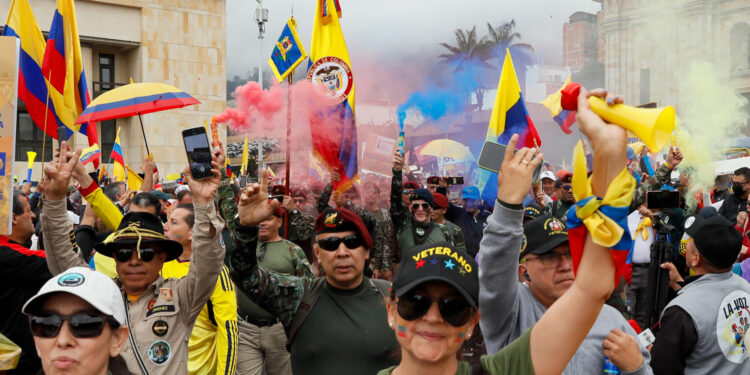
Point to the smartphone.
(198, 152)
(492, 155)
(455, 180)
(662, 199)
(401, 142)
(244, 180)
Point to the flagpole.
(46, 108)
(288, 145)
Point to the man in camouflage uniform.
(385, 239)
(335, 324)
(560, 207)
(661, 177)
(438, 216)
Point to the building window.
(106, 74)
(645, 86)
(30, 138)
(739, 52)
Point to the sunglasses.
(566, 187)
(407, 191)
(82, 325)
(146, 254)
(456, 311)
(332, 243)
(425, 206)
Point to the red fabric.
(745, 240)
(4, 241)
(577, 239)
(86, 191)
(635, 326)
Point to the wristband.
(671, 168)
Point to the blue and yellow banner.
(288, 52)
(334, 132)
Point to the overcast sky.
(392, 29)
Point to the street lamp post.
(261, 17)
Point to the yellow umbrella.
(446, 148)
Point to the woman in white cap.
(78, 323)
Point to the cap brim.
(172, 248)
(32, 306)
(409, 286)
(548, 246)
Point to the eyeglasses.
(550, 260)
(566, 187)
(456, 311)
(332, 243)
(407, 191)
(146, 254)
(425, 206)
(81, 325)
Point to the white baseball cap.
(547, 174)
(181, 188)
(91, 286)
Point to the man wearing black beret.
(704, 329)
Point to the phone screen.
(198, 152)
(492, 155)
(662, 199)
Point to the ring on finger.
(525, 161)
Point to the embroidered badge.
(166, 293)
(160, 328)
(160, 309)
(159, 352)
(150, 304)
(71, 279)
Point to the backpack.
(383, 288)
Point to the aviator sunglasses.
(425, 206)
(332, 243)
(454, 310)
(81, 325)
(146, 254)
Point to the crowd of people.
(208, 277)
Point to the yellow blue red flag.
(562, 117)
(90, 154)
(32, 85)
(118, 167)
(288, 51)
(63, 66)
(333, 131)
(509, 116)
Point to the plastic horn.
(652, 125)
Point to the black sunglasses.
(425, 206)
(567, 187)
(332, 243)
(123, 255)
(454, 310)
(82, 325)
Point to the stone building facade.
(177, 42)
(649, 45)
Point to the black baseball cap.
(715, 238)
(438, 262)
(543, 235)
(531, 212)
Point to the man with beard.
(737, 201)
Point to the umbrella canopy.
(446, 148)
(135, 99)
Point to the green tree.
(468, 48)
(504, 37)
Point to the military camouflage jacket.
(661, 176)
(558, 209)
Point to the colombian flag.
(118, 169)
(90, 154)
(562, 117)
(288, 52)
(509, 116)
(63, 66)
(32, 85)
(334, 132)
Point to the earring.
(390, 324)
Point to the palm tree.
(469, 53)
(505, 37)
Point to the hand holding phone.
(198, 152)
(492, 155)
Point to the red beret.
(410, 185)
(433, 180)
(299, 192)
(278, 190)
(342, 220)
(440, 200)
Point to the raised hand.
(398, 161)
(254, 205)
(288, 203)
(675, 157)
(148, 165)
(58, 172)
(221, 157)
(516, 173)
(204, 190)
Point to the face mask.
(737, 190)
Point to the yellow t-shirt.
(212, 348)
